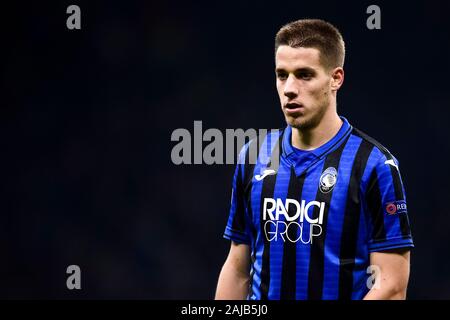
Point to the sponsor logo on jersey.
(285, 220)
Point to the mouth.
(293, 107)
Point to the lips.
(293, 108)
(292, 105)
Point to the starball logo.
(280, 226)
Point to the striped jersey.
(312, 218)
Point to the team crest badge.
(328, 180)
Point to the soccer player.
(321, 213)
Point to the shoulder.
(380, 165)
(261, 145)
(378, 153)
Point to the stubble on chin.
(304, 123)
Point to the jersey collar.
(290, 154)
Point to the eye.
(281, 75)
(304, 75)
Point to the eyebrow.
(304, 69)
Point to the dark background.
(87, 116)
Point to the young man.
(329, 220)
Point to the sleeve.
(389, 226)
(237, 228)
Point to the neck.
(312, 138)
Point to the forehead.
(294, 58)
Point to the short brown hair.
(314, 33)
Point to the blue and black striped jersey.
(312, 219)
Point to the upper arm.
(238, 224)
(389, 226)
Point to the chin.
(298, 122)
(304, 122)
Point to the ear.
(337, 78)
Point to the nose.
(290, 88)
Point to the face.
(306, 89)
